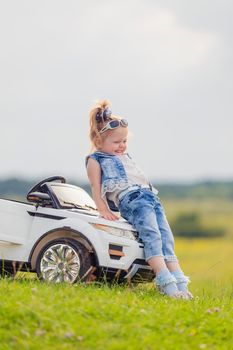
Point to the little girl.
(115, 177)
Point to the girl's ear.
(98, 142)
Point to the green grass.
(36, 315)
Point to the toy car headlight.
(115, 231)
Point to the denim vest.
(113, 175)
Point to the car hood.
(94, 218)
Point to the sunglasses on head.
(114, 124)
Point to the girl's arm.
(94, 175)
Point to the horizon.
(153, 181)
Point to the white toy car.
(60, 236)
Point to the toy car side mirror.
(38, 197)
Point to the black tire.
(9, 268)
(74, 262)
(4, 273)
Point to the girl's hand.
(108, 215)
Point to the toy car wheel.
(63, 260)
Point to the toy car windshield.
(73, 196)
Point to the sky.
(166, 66)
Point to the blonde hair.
(97, 122)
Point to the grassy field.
(36, 315)
(214, 213)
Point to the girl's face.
(115, 142)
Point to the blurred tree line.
(198, 190)
(189, 225)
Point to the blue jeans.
(142, 209)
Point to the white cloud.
(178, 45)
